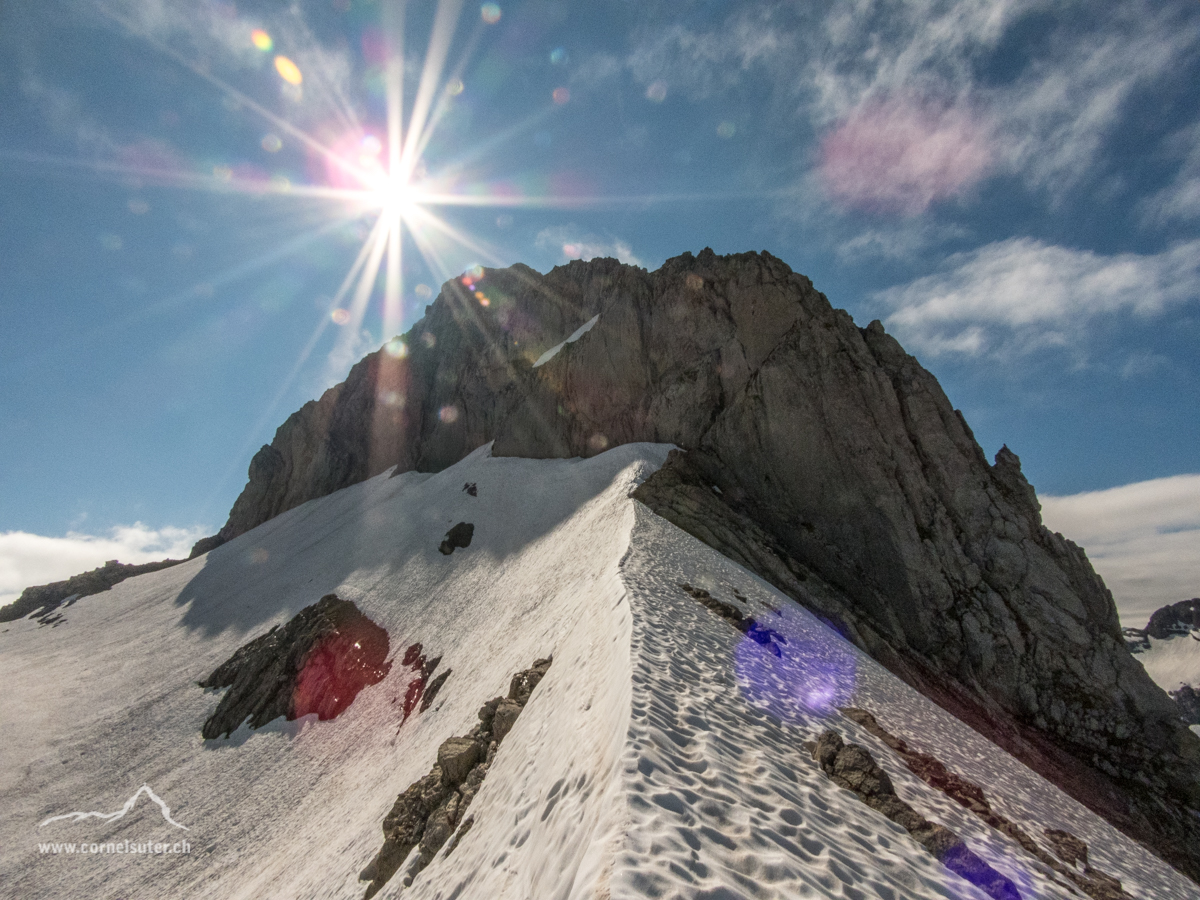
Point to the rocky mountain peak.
(819, 454)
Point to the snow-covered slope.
(662, 754)
(1172, 661)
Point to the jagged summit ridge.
(870, 500)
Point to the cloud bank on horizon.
(1012, 186)
(1143, 539)
(33, 559)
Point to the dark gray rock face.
(1188, 700)
(846, 479)
(316, 663)
(43, 600)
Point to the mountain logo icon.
(120, 813)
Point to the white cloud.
(1143, 539)
(901, 155)
(1058, 115)
(29, 559)
(1052, 120)
(566, 242)
(1020, 295)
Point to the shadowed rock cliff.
(844, 476)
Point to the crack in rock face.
(458, 536)
(316, 663)
(433, 808)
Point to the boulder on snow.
(458, 536)
(457, 756)
(505, 717)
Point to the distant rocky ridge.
(1175, 621)
(42, 601)
(1172, 620)
(818, 453)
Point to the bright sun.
(394, 195)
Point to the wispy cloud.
(699, 64)
(28, 559)
(217, 36)
(1180, 200)
(568, 242)
(1021, 295)
(901, 155)
(923, 65)
(1143, 539)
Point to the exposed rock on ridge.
(852, 767)
(846, 478)
(42, 600)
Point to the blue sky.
(1013, 187)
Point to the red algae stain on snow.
(421, 689)
(339, 665)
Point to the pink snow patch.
(901, 156)
(338, 667)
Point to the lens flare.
(490, 13)
(261, 40)
(726, 130)
(340, 316)
(271, 143)
(288, 70)
(810, 672)
(561, 95)
(657, 92)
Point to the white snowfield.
(1172, 662)
(661, 756)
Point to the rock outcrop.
(434, 807)
(316, 663)
(43, 600)
(457, 537)
(819, 454)
(851, 766)
(1067, 849)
